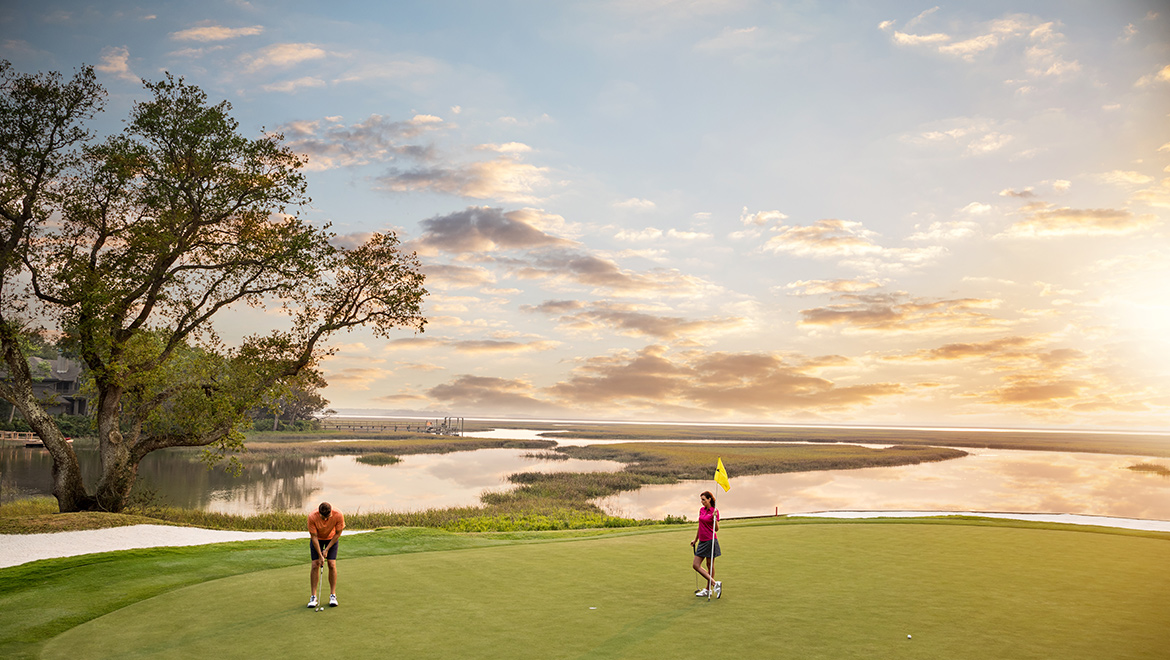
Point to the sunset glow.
(716, 211)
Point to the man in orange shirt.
(325, 527)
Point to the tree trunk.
(68, 487)
(119, 469)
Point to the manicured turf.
(798, 590)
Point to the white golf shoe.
(718, 589)
(312, 602)
(701, 593)
(332, 600)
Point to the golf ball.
(908, 637)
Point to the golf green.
(831, 590)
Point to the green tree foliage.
(162, 228)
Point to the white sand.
(16, 549)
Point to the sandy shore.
(16, 549)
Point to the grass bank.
(963, 588)
(1102, 443)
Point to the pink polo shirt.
(707, 518)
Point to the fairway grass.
(794, 589)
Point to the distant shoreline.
(859, 427)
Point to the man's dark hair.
(325, 509)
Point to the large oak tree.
(133, 247)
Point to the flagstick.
(711, 566)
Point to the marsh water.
(986, 480)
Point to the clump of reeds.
(378, 459)
(1151, 467)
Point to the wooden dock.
(445, 426)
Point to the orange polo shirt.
(325, 529)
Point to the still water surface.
(987, 480)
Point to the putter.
(320, 578)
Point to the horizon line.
(950, 429)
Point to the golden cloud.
(824, 238)
(283, 56)
(494, 395)
(1047, 220)
(719, 383)
(505, 179)
(215, 33)
(817, 287)
(894, 312)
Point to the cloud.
(215, 33)
(898, 313)
(1037, 391)
(445, 276)
(647, 234)
(497, 346)
(1041, 58)
(716, 383)
(632, 321)
(504, 179)
(282, 56)
(688, 235)
(919, 18)
(1025, 193)
(357, 378)
(976, 136)
(823, 239)
(289, 86)
(903, 39)
(494, 395)
(636, 204)
(332, 144)
(1047, 220)
(1003, 348)
(506, 148)
(486, 229)
(1149, 80)
(948, 231)
(1123, 178)
(116, 61)
(1158, 195)
(818, 287)
(561, 267)
(761, 218)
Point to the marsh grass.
(692, 461)
(1151, 467)
(508, 516)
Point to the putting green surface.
(791, 590)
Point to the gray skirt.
(703, 549)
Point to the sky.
(886, 213)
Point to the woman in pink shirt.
(705, 538)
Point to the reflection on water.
(986, 480)
(295, 484)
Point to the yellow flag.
(721, 476)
